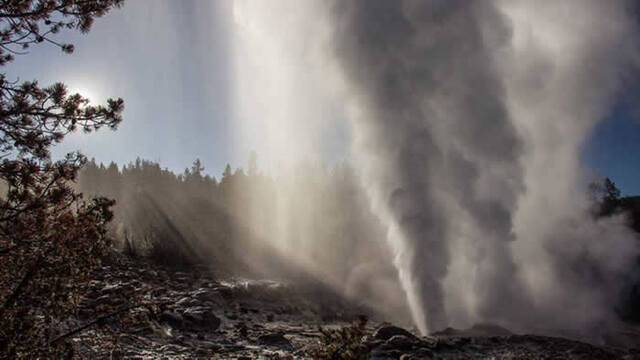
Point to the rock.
(225, 292)
(457, 342)
(187, 301)
(202, 318)
(171, 348)
(243, 331)
(401, 342)
(449, 331)
(478, 330)
(210, 345)
(172, 319)
(108, 300)
(388, 331)
(111, 287)
(275, 339)
(488, 330)
(201, 352)
(384, 355)
(180, 340)
(420, 354)
(202, 294)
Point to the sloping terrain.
(191, 315)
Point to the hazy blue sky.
(614, 148)
(171, 62)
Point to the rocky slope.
(191, 315)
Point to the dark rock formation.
(201, 318)
(388, 331)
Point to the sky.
(613, 149)
(175, 63)
(169, 61)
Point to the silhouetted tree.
(611, 191)
(197, 168)
(49, 237)
(605, 196)
(227, 173)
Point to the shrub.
(50, 238)
(345, 343)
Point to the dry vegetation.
(50, 238)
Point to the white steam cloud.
(468, 118)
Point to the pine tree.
(610, 198)
(50, 238)
(226, 175)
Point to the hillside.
(193, 315)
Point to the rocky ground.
(191, 315)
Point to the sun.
(87, 89)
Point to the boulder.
(172, 319)
(388, 331)
(275, 339)
(384, 355)
(401, 342)
(187, 301)
(202, 318)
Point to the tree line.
(245, 222)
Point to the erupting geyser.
(468, 122)
(468, 119)
(439, 145)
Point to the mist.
(421, 158)
(319, 179)
(467, 121)
(471, 117)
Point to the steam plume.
(467, 119)
(468, 124)
(562, 77)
